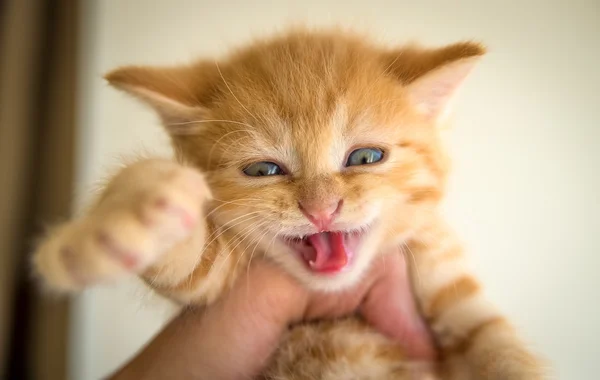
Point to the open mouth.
(326, 252)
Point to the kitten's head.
(318, 146)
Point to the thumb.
(390, 307)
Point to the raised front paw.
(145, 213)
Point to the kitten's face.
(320, 190)
(316, 152)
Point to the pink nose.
(321, 214)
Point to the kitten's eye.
(264, 168)
(364, 156)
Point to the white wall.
(526, 168)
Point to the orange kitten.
(317, 150)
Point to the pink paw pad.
(187, 219)
(161, 203)
(128, 259)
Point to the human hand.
(235, 337)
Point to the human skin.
(235, 337)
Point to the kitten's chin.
(329, 260)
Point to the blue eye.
(263, 168)
(364, 156)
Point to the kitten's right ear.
(433, 76)
(175, 93)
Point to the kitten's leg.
(147, 219)
(468, 327)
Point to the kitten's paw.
(505, 361)
(127, 233)
(517, 365)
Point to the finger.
(232, 339)
(390, 307)
(336, 304)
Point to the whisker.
(224, 248)
(212, 121)
(259, 225)
(254, 250)
(238, 199)
(210, 153)
(275, 235)
(232, 94)
(414, 261)
(183, 128)
(225, 203)
(221, 232)
(246, 231)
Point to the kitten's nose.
(321, 214)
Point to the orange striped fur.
(304, 100)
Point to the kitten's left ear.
(433, 76)
(178, 94)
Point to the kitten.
(318, 150)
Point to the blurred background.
(524, 194)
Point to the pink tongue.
(330, 252)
